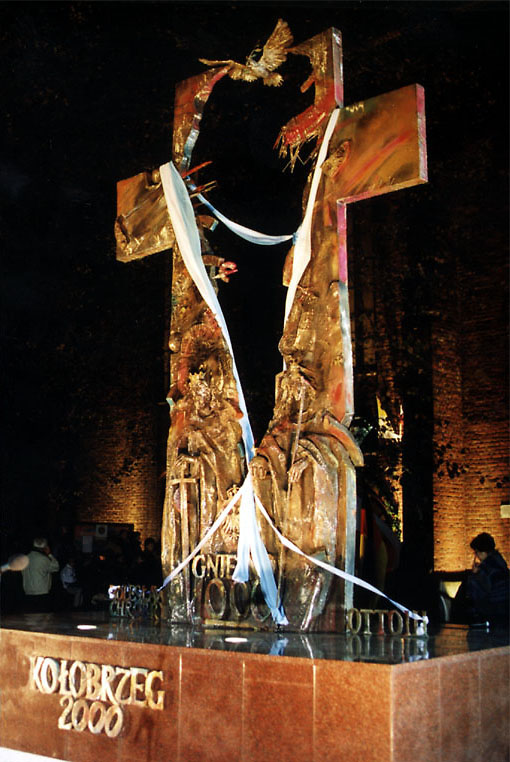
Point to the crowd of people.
(64, 577)
(67, 578)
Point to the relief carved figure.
(303, 463)
(304, 468)
(205, 454)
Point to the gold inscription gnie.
(213, 564)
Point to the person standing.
(70, 582)
(37, 577)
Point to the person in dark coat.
(488, 584)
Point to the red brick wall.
(123, 472)
(439, 314)
(470, 346)
(449, 457)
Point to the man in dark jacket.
(488, 585)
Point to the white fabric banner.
(332, 569)
(183, 220)
(303, 245)
(247, 489)
(253, 236)
(182, 216)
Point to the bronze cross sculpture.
(304, 468)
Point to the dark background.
(87, 99)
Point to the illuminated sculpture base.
(126, 691)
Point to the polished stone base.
(251, 696)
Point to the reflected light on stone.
(86, 627)
(236, 640)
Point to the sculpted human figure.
(302, 465)
(204, 445)
(303, 471)
(205, 462)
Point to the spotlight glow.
(86, 627)
(236, 640)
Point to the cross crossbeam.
(304, 468)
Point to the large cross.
(375, 147)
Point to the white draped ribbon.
(207, 536)
(186, 233)
(249, 529)
(303, 245)
(185, 228)
(328, 567)
(253, 236)
(246, 489)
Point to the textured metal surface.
(304, 468)
(142, 226)
(378, 146)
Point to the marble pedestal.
(294, 698)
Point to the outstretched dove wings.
(262, 62)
